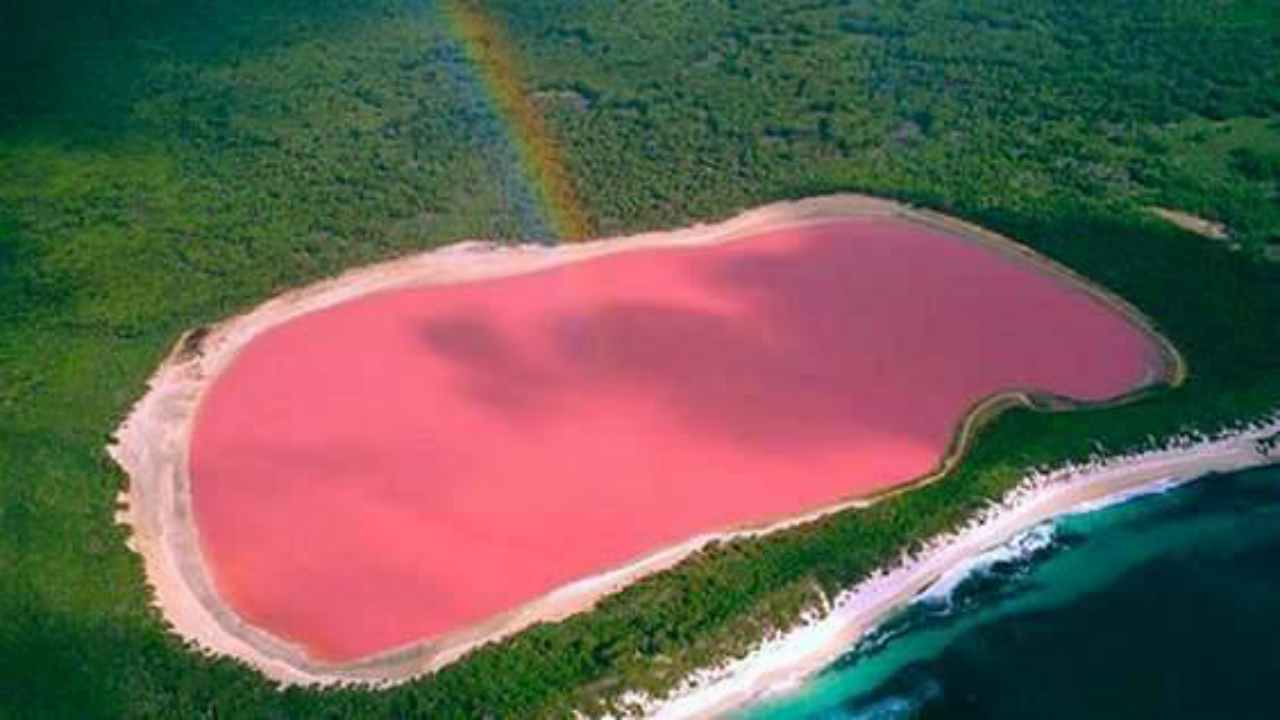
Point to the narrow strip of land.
(784, 662)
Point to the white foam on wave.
(1020, 548)
(939, 597)
(1157, 488)
(899, 706)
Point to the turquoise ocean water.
(1164, 606)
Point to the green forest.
(164, 165)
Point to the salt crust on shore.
(784, 661)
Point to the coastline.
(786, 660)
(152, 443)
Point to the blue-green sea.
(1164, 606)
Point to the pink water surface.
(413, 462)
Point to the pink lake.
(414, 462)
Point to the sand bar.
(1194, 223)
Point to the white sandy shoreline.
(785, 661)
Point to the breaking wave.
(981, 581)
(1159, 488)
(903, 703)
(1000, 564)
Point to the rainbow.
(488, 50)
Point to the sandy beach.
(152, 446)
(784, 662)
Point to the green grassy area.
(164, 165)
(1227, 170)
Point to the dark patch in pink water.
(413, 462)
